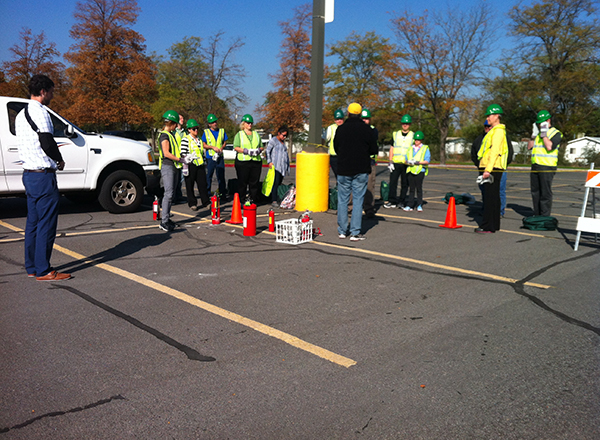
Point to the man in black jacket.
(354, 143)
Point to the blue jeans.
(42, 218)
(357, 186)
(218, 167)
(503, 193)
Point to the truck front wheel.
(121, 192)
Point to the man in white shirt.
(41, 158)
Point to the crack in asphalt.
(189, 352)
(62, 413)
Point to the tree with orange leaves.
(113, 81)
(445, 52)
(288, 104)
(32, 55)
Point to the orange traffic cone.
(236, 213)
(451, 216)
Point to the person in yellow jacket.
(170, 162)
(403, 140)
(493, 157)
(338, 116)
(248, 162)
(417, 161)
(544, 145)
(191, 146)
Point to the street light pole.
(316, 73)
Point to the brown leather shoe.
(54, 276)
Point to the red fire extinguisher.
(155, 209)
(271, 220)
(215, 209)
(249, 220)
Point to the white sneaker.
(407, 208)
(342, 236)
(419, 208)
(389, 205)
(358, 237)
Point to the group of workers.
(491, 152)
(197, 158)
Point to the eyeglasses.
(283, 135)
(194, 128)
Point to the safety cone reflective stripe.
(451, 216)
(236, 213)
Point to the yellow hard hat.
(354, 108)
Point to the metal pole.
(316, 73)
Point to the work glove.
(255, 152)
(535, 131)
(215, 157)
(480, 180)
(543, 129)
(410, 162)
(391, 166)
(246, 151)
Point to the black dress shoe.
(483, 231)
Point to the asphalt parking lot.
(418, 332)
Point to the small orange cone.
(451, 216)
(236, 213)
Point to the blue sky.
(165, 23)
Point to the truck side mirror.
(70, 131)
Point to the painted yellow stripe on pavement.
(262, 328)
(435, 265)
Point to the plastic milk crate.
(293, 231)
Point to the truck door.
(73, 150)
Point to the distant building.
(457, 145)
(576, 148)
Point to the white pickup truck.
(112, 169)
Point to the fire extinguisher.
(155, 209)
(215, 209)
(271, 220)
(249, 220)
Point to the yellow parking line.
(255, 325)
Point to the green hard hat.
(191, 123)
(406, 119)
(338, 114)
(248, 118)
(365, 113)
(171, 115)
(494, 109)
(542, 116)
(211, 118)
(419, 135)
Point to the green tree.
(444, 58)
(113, 81)
(288, 104)
(197, 80)
(362, 71)
(559, 48)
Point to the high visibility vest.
(401, 145)
(210, 140)
(195, 148)
(250, 144)
(175, 149)
(419, 157)
(333, 128)
(486, 145)
(541, 156)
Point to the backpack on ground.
(384, 191)
(540, 223)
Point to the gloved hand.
(535, 131)
(255, 152)
(391, 166)
(543, 129)
(410, 162)
(215, 157)
(480, 180)
(246, 151)
(186, 159)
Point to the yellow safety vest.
(195, 148)
(541, 156)
(486, 145)
(333, 130)
(250, 144)
(175, 149)
(419, 157)
(401, 145)
(210, 139)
